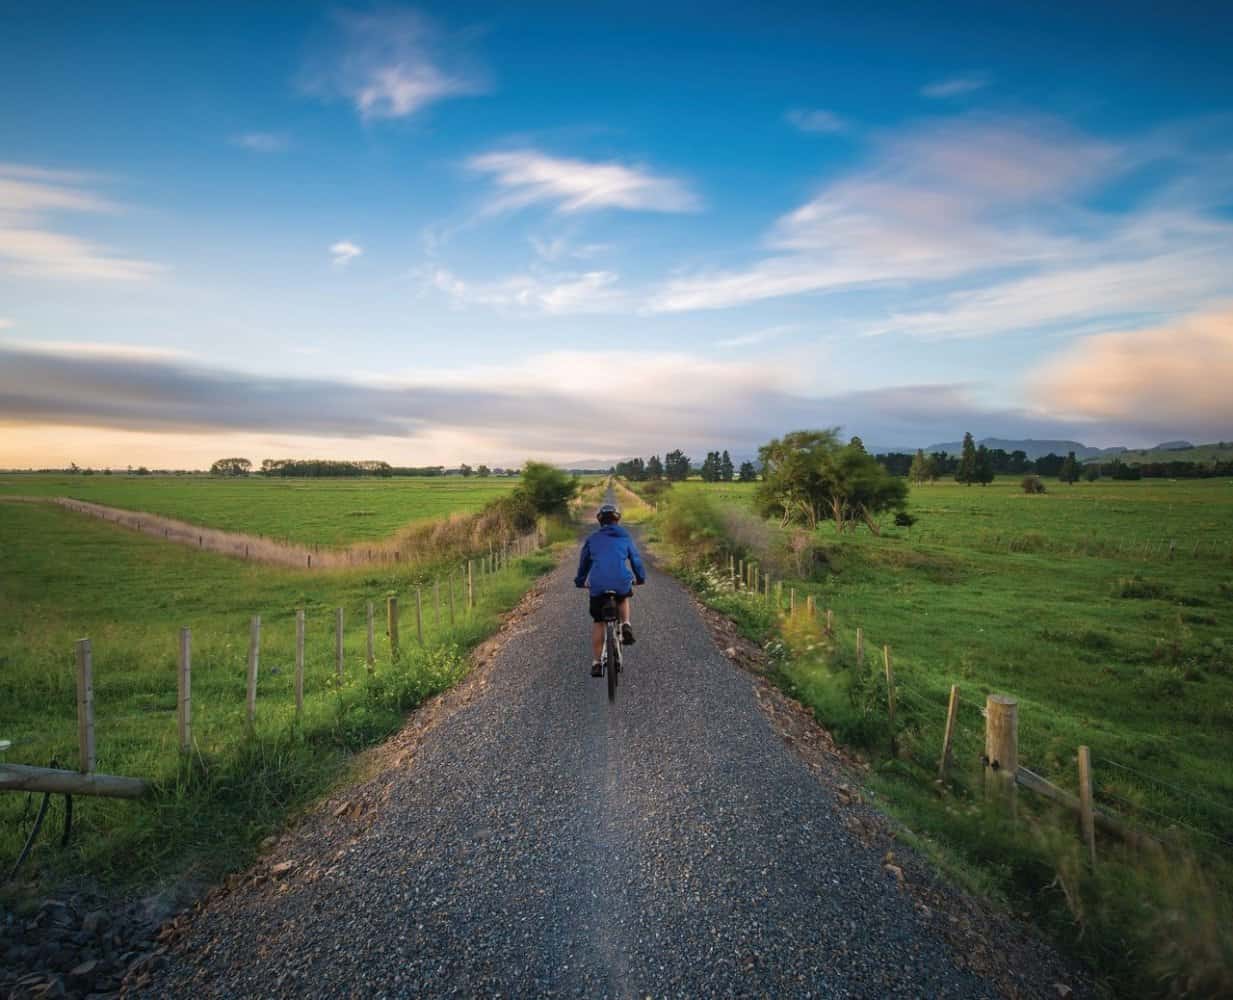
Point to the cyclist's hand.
(639, 583)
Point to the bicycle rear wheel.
(610, 658)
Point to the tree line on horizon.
(676, 466)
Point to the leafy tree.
(1070, 469)
(547, 488)
(984, 466)
(808, 475)
(1091, 472)
(725, 467)
(709, 470)
(483, 471)
(1018, 462)
(231, 467)
(676, 465)
(922, 468)
(749, 472)
(465, 469)
(654, 468)
(966, 473)
(856, 443)
(1049, 465)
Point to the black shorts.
(598, 604)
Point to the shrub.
(694, 526)
(1032, 484)
(1137, 588)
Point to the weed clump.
(1137, 588)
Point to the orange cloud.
(1172, 376)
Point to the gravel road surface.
(538, 841)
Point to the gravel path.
(535, 840)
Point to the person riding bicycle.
(603, 560)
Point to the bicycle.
(610, 660)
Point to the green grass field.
(67, 576)
(323, 511)
(1070, 603)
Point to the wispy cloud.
(391, 64)
(29, 247)
(556, 295)
(344, 251)
(262, 142)
(1166, 380)
(527, 176)
(937, 202)
(756, 337)
(955, 86)
(816, 120)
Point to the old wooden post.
(451, 590)
(436, 604)
(370, 654)
(391, 625)
(810, 606)
(948, 735)
(310, 560)
(830, 622)
(792, 602)
(299, 662)
(1086, 814)
(254, 650)
(338, 641)
(890, 697)
(85, 707)
(419, 616)
(741, 572)
(766, 581)
(860, 647)
(184, 694)
(470, 585)
(732, 571)
(1001, 745)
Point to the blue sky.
(476, 232)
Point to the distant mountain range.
(1033, 448)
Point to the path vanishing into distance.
(524, 837)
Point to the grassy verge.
(1125, 654)
(67, 576)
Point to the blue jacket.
(604, 557)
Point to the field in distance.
(1071, 602)
(322, 511)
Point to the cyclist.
(603, 559)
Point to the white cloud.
(344, 251)
(937, 203)
(756, 337)
(816, 120)
(1169, 378)
(5, 324)
(558, 295)
(955, 86)
(527, 176)
(262, 142)
(29, 247)
(392, 64)
(560, 248)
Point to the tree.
(966, 473)
(1018, 463)
(749, 472)
(725, 467)
(808, 475)
(984, 466)
(920, 470)
(856, 443)
(231, 467)
(1049, 465)
(1070, 469)
(709, 470)
(676, 465)
(465, 469)
(547, 488)
(483, 471)
(1091, 472)
(654, 468)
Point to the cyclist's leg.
(623, 609)
(597, 640)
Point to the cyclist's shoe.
(627, 634)
(597, 669)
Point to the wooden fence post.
(732, 571)
(890, 697)
(1001, 745)
(792, 602)
(860, 647)
(948, 736)
(85, 707)
(419, 616)
(370, 657)
(391, 625)
(1086, 815)
(254, 651)
(184, 696)
(830, 622)
(470, 586)
(338, 640)
(299, 662)
(741, 572)
(766, 579)
(436, 604)
(450, 578)
(810, 606)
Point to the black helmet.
(609, 513)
